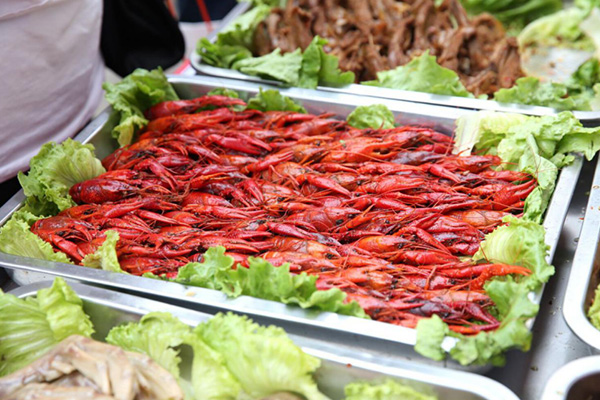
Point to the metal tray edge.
(455, 380)
(575, 301)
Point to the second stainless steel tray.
(356, 330)
(577, 380)
(338, 368)
(585, 273)
(588, 118)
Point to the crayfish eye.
(339, 221)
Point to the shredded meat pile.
(370, 36)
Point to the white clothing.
(51, 74)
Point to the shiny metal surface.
(585, 273)
(379, 337)
(339, 367)
(588, 118)
(577, 380)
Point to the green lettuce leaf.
(53, 171)
(221, 55)
(64, 311)
(160, 336)
(156, 335)
(211, 380)
(273, 100)
(531, 91)
(263, 359)
(521, 243)
(31, 327)
(136, 93)
(330, 73)
(594, 311)
(430, 335)
(561, 29)
(280, 67)
(422, 74)
(241, 31)
(106, 256)
(311, 64)
(387, 390)
(376, 116)
(17, 239)
(536, 145)
(518, 243)
(514, 14)
(514, 309)
(224, 92)
(265, 281)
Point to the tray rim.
(575, 301)
(586, 117)
(396, 368)
(564, 378)
(250, 305)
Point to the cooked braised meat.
(81, 368)
(370, 36)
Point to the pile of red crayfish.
(382, 214)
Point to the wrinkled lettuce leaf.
(531, 91)
(64, 311)
(233, 358)
(521, 243)
(594, 311)
(221, 55)
(160, 336)
(430, 335)
(106, 256)
(422, 74)
(514, 309)
(263, 359)
(211, 380)
(130, 97)
(240, 32)
(156, 335)
(31, 327)
(53, 171)
(17, 239)
(311, 64)
(265, 281)
(305, 69)
(376, 116)
(514, 14)
(580, 92)
(273, 100)
(561, 29)
(224, 92)
(280, 67)
(386, 390)
(536, 145)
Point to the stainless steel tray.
(373, 334)
(578, 380)
(585, 273)
(588, 118)
(108, 309)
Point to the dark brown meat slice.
(423, 10)
(262, 41)
(508, 63)
(450, 54)
(362, 14)
(299, 22)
